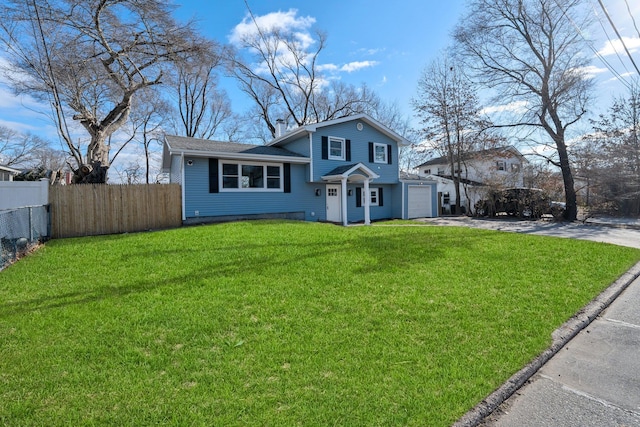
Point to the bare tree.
(449, 111)
(611, 157)
(279, 71)
(203, 109)
(91, 57)
(149, 111)
(18, 149)
(531, 51)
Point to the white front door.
(334, 205)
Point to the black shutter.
(358, 197)
(325, 148)
(371, 152)
(286, 172)
(389, 154)
(380, 200)
(347, 150)
(213, 175)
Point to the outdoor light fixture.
(189, 162)
(349, 192)
(318, 192)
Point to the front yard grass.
(283, 323)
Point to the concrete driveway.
(614, 231)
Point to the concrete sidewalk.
(594, 380)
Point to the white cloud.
(282, 21)
(592, 70)
(613, 47)
(514, 107)
(358, 65)
(327, 67)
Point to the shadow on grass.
(375, 251)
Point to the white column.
(367, 203)
(344, 201)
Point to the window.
(380, 153)
(251, 177)
(336, 148)
(229, 175)
(427, 171)
(375, 197)
(501, 165)
(440, 171)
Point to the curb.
(561, 337)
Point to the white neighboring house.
(7, 173)
(502, 167)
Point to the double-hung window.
(375, 197)
(379, 153)
(238, 176)
(336, 148)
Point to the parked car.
(529, 203)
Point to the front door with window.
(334, 205)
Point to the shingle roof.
(340, 170)
(470, 155)
(183, 143)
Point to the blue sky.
(385, 44)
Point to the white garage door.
(419, 201)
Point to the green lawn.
(283, 323)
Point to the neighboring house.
(502, 167)
(7, 173)
(342, 171)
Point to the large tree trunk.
(95, 171)
(571, 204)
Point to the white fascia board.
(241, 156)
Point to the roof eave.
(240, 156)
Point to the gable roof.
(182, 145)
(490, 152)
(10, 170)
(313, 127)
(347, 170)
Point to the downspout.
(184, 212)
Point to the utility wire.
(632, 18)
(619, 36)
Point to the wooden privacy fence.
(92, 209)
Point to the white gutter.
(241, 156)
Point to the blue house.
(342, 171)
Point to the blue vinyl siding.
(300, 146)
(356, 214)
(359, 151)
(198, 198)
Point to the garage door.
(419, 201)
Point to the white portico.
(336, 190)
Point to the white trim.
(183, 187)
(403, 216)
(310, 156)
(358, 117)
(343, 148)
(240, 188)
(343, 183)
(241, 156)
(371, 174)
(367, 203)
(386, 153)
(371, 191)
